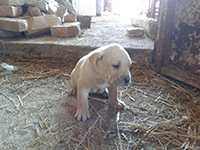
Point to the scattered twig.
(3, 106)
(49, 129)
(119, 137)
(116, 145)
(145, 136)
(181, 135)
(96, 112)
(11, 100)
(129, 96)
(20, 100)
(27, 94)
(42, 75)
(45, 124)
(177, 141)
(156, 97)
(134, 106)
(86, 134)
(178, 86)
(68, 128)
(48, 140)
(40, 140)
(81, 144)
(5, 140)
(66, 74)
(98, 99)
(62, 89)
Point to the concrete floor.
(104, 30)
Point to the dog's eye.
(116, 66)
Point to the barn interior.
(40, 44)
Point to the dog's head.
(112, 62)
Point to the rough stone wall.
(185, 38)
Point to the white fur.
(97, 71)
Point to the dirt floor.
(36, 112)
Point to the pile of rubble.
(34, 17)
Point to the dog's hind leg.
(73, 89)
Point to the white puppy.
(105, 67)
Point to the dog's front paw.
(118, 104)
(72, 91)
(82, 114)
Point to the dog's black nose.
(126, 80)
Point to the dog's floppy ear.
(95, 58)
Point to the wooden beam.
(183, 76)
(165, 25)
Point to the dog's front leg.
(82, 112)
(113, 100)
(113, 96)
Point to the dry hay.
(36, 112)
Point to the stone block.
(34, 11)
(61, 11)
(70, 18)
(41, 4)
(68, 5)
(85, 21)
(66, 30)
(12, 2)
(10, 11)
(135, 32)
(9, 34)
(41, 24)
(13, 24)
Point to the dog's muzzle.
(126, 81)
